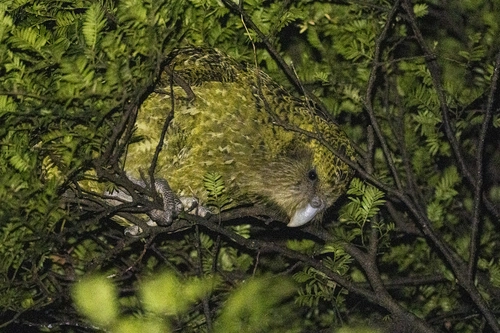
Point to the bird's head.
(302, 184)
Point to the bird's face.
(322, 180)
(302, 184)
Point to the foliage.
(412, 247)
(217, 196)
(166, 298)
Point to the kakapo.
(236, 121)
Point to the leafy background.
(412, 247)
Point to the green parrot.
(236, 121)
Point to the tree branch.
(476, 220)
(370, 91)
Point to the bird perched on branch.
(270, 147)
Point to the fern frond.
(365, 203)
(445, 188)
(28, 39)
(93, 23)
(216, 189)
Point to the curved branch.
(370, 93)
(476, 220)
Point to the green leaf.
(28, 39)
(247, 309)
(216, 189)
(96, 298)
(445, 189)
(420, 9)
(93, 24)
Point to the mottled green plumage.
(232, 127)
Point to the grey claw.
(188, 203)
(192, 206)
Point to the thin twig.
(476, 220)
(161, 140)
(370, 91)
(206, 305)
(276, 56)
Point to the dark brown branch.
(413, 281)
(159, 145)
(400, 222)
(476, 220)
(122, 131)
(370, 91)
(370, 152)
(384, 298)
(400, 134)
(206, 305)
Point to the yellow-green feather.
(230, 128)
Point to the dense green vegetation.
(414, 245)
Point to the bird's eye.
(312, 175)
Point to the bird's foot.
(189, 205)
(172, 206)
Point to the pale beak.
(306, 214)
